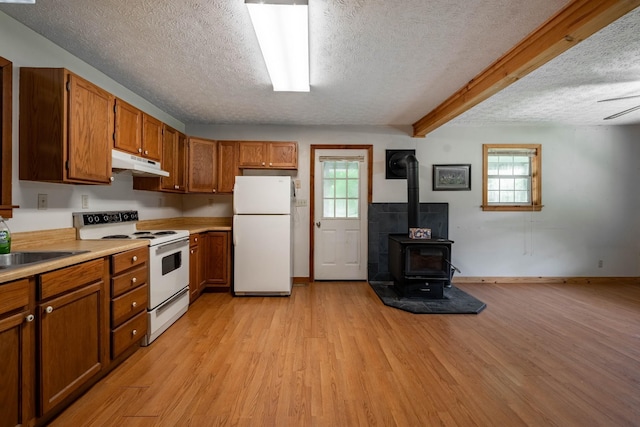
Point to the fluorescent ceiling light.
(19, 1)
(282, 29)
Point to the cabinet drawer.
(194, 239)
(14, 295)
(65, 279)
(128, 305)
(125, 260)
(128, 334)
(129, 280)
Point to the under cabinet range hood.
(137, 165)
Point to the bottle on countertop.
(5, 237)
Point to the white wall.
(589, 194)
(25, 48)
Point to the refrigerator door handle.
(234, 231)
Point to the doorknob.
(318, 224)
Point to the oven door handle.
(172, 245)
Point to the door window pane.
(341, 189)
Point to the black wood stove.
(421, 268)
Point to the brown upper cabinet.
(151, 137)
(203, 155)
(267, 155)
(66, 128)
(137, 132)
(6, 101)
(227, 165)
(128, 134)
(174, 161)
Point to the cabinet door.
(194, 272)
(169, 158)
(216, 267)
(128, 133)
(71, 350)
(227, 165)
(202, 165)
(283, 155)
(90, 136)
(252, 154)
(181, 163)
(151, 137)
(16, 353)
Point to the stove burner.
(116, 236)
(141, 232)
(163, 233)
(146, 236)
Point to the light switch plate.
(42, 202)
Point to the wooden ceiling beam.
(575, 22)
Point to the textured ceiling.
(372, 61)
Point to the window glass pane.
(493, 196)
(492, 166)
(341, 169)
(353, 170)
(352, 208)
(506, 183)
(329, 188)
(506, 197)
(493, 184)
(522, 196)
(522, 184)
(352, 188)
(327, 208)
(505, 169)
(341, 208)
(341, 188)
(521, 168)
(505, 159)
(329, 169)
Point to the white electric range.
(168, 262)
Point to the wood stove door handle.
(318, 224)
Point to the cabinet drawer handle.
(134, 280)
(263, 163)
(134, 332)
(139, 150)
(177, 187)
(195, 239)
(30, 318)
(49, 309)
(270, 164)
(191, 251)
(134, 258)
(146, 152)
(134, 304)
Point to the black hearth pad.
(455, 301)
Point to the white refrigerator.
(262, 235)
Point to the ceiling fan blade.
(622, 113)
(620, 98)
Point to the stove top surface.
(115, 225)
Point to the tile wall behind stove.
(387, 218)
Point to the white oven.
(168, 263)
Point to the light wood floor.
(333, 355)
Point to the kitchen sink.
(20, 259)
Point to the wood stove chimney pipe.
(409, 163)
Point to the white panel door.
(340, 215)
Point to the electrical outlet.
(297, 182)
(301, 203)
(85, 201)
(42, 202)
(600, 263)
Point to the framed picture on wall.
(451, 177)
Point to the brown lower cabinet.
(216, 264)
(57, 330)
(17, 366)
(72, 320)
(209, 263)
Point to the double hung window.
(512, 177)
